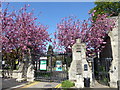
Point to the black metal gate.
(102, 67)
(51, 74)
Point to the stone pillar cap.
(78, 40)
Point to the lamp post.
(68, 54)
(51, 54)
(93, 75)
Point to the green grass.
(67, 84)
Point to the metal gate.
(102, 67)
(51, 71)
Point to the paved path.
(98, 85)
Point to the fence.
(102, 67)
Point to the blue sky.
(50, 13)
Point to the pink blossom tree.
(97, 32)
(68, 30)
(21, 32)
(91, 33)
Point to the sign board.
(3, 62)
(58, 65)
(16, 62)
(43, 64)
(43, 58)
(85, 67)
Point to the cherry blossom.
(91, 33)
(20, 30)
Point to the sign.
(43, 64)
(58, 65)
(3, 62)
(16, 62)
(43, 58)
(85, 67)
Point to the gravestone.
(79, 68)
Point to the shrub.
(67, 84)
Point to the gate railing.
(102, 67)
(51, 74)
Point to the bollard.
(86, 82)
(118, 84)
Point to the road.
(8, 83)
(37, 84)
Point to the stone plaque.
(79, 66)
(78, 48)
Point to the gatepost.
(79, 70)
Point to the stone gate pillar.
(79, 68)
(114, 69)
(76, 61)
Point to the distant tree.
(50, 50)
(49, 53)
(103, 7)
(12, 59)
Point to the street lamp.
(51, 54)
(68, 54)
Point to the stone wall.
(119, 47)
